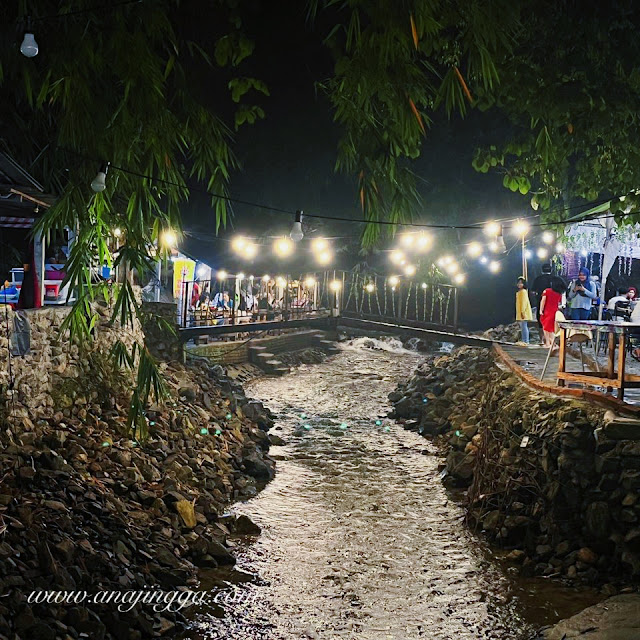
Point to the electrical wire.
(68, 14)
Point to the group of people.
(550, 290)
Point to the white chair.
(574, 336)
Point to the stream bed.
(359, 537)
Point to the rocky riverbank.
(85, 507)
(553, 481)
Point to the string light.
(239, 243)
(548, 237)
(280, 281)
(424, 285)
(452, 268)
(324, 257)
(296, 230)
(283, 247)
(250, 250)
(542, 253)
(424, 241)
(492, 228)
(494, 266)
(527, 254)
(483, 259)
(169, 238)
(474, 249)
(335, 285)
(521, 227)
(221, 275)
(393, 281)
(460, 278)
(117, 232)
(584, 253)
(202, 270)
(240, 276)
(266, 278)
(410, 270)
(319, 244)
(407, 239)
(559, 247)
(370, 287)
(310, 282)
(396, 256)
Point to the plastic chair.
(574, 337)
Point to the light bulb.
(407, 239)
(169, 238)
(283, 247)
(494, 266)
(117, 232)
(324, 257)
(319, 244)
(370, 287)
(452, 268)
(29, 46)
(296, 230)
(393, 280)
(98, 184)
(542, 253)
(202, 270)
(492, 229)
(250, 250)
(396, 256)
(424, 285)
(410, 270)
(474, 249)
(310, 282)
(521, 227)
(559, 247)
(239, 244)
(548, 237)
(240, 276)
(424, 241)
(483, 259)
(280, 281)
(335, 285)
(584, 253)
(527, 254)
(460, 278)
(221, 275)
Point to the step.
(257, 348)
(281, 371)
(263, 356)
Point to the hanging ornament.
(619, 265)
(601, 262)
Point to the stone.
(587, 556)
(598, 519)
(187, 512)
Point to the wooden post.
(562, 355)
(622, 354)
(611, 355)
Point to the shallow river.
(360, 539)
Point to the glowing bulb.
(310, 282)
(117, 232)
(250, 250)
(460, 278)
(296, 230)
(559, 247)
(202, 270)
(542, 253)
(474, 249)
(29, 46)
(452, 268)
(527, 254)
(447, 260)
(410, 270)
(492, 228)
(221, 275)
(424, 285)
(521, 227)
(283, 247)
(240, 276)
(169, 238)
(280, 281)
(396, 256)
(266, 278)
(370, 287)
(393, 281)
(548, 237)
(494, 266)
(335, 285)
(407, 239)
(319, 244)
(584, 253)
(483, 259)
(493, 246)
(424, 241)
(239, 243)
(324, 257)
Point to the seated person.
(222, 301)
(623, 296)
(8, 290)
(203, 302)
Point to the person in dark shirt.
(545, 281)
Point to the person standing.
(581, 294)
(543, 282)
(523, 309)
(549, 304)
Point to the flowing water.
(359, 537)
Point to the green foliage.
(395, 63)
(571, 89)
(116, 84)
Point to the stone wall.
(30, 389)
(161, 341)
(554, 480)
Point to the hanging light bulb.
(283, 247)
(452, 268)
(98, 184)
(474, 249)
(460, 278)
(396, 256)
(393, 281)
(492, 228)
(221, 275)
(584, 253)
(548, 237)
(528, 254)
(483, 259)
(240, 276)
(29, 46)
(494, 266)
(410, 270)
(310, 282)
(266, 278)
(542, 253)
(370, 287)
(239, 243)
(424, 285)
(280, 281)
(296, 230)
(319, 244)
(324, 257)
(335, 285)
(559, 247)
(521, 227)
(169, 238)
(202, 270)
(250, 250)
(407, 239)
(424, 241)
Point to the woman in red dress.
(551, 299)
